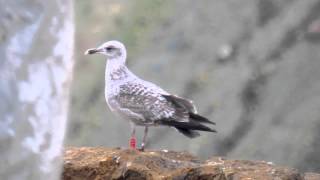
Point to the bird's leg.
(144, 140)
(133, 141)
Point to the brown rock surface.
(107, 163)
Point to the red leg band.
(133, 143)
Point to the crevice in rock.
(267, 11)
(252, 90)
(294, 34)
(250, 100)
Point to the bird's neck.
(116, 70)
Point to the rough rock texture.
(106, 163)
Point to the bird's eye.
(109, 48)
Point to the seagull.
(144, 103)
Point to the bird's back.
(139, 100)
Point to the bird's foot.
(141, 148)
(133, 143)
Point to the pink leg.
(144, 140)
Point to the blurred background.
(252, 66)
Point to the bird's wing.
(137, 100)
(147, 105)
(186, 105)
(181, 102)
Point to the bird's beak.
(93, 51)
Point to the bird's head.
(111, 49)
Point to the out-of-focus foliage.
(251, 66)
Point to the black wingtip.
(189, 133)
(197, 117)
(213, 130)
(191, 125)
(206, 128)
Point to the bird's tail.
(189, 128)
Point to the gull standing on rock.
(142, 102)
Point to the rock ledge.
(107, 163)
